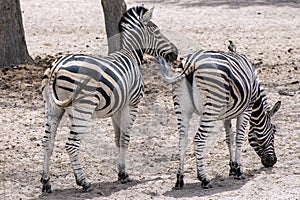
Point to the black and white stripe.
(221, 86)
(85, 86)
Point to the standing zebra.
(85, 86)
(221, 86)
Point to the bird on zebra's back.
(221, 86)
(84, 86)
(231, 46)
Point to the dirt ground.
(267, 31)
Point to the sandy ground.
(268, 32)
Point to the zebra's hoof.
(123, 177)
(46, 185)
(87, 187)
(240, 177)
(233, 168)
(206, 184)
(239, 174)
(179, 183)
(47, 188)
(232, 172)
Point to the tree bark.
(113, 11)
(13, 48)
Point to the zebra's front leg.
(229, 141)
(53, 117)
(79, 126)
(123, 122)
(241, 125)
(206, 127)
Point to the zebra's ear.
(275, 108)
(147, 16)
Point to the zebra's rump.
(223, 82)
(90, 81)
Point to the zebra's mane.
(260, 105)
(264, 97)
(262, 93)
(131, 18)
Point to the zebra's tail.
(165, 69)
(48, 86)
(45, 78)
(73, 98)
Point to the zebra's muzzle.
(269, 160)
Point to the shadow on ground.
(220, 185)
(103, 189)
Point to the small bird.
(231, 46)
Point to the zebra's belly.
(225, 107)
(232, 112)
(109, 108)
(102, 114)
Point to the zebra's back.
(222, 83)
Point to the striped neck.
(132, 29)
(261, 133)
(131, 42)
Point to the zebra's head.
(261, 134)
(141, 35)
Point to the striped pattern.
(85, 86)
(221, 86)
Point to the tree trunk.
(13, 49)
(113, 11)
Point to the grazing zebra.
(85, 86)
(221, 86)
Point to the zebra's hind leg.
(184, 108)
(229, 141)
(79, 125)
(207, 126)
(53, 117)
(183, 125)
(123, 122)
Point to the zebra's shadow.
(220, 184)
(101, 189)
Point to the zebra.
(221, 86)
(84, 86)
